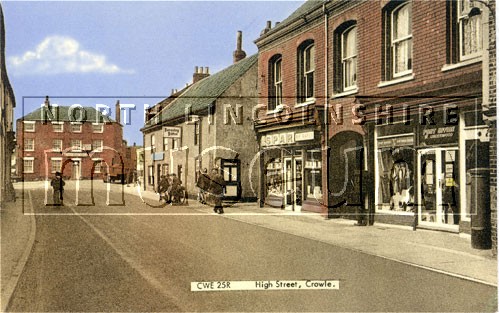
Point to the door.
(231, 171)
(438, 194)
(293, 184)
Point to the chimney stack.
(238, 54)
(117, 109)
(199, 74)
(47, 102)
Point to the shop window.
(274, 177)
(306, 66)
(312, 172)
(398, 47)
(396, 186)
(275, 83)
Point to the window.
(97, 165)
(275, 83)
(165, 143)
(97, 128)
(312, 172)
(176, 143)
(346, 58)
(97, 145)
(28, 165)
(399, 40)
(306, 72)
(196, 133)
(76, 128)
(29, 144)
(469, 30)
(57, 145)
(29, 126)
(76, 145)
(151, 177)
(349, 58)
(57, 127)
(55, 165)
(153, 141)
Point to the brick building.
(206, 125)
(375, 106)
(80, 142)
(7, 140)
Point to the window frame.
(395, 41)
(461, 17)
(60, 148)
(165, 144)
(32, 159)
(52, 164)
(344, 58)
(80, 149)
(73, 125)
(100, 130)
(100, 147)
(306, 55)
(275, 92)
(29, 123)
(25, 145)
(58, 123)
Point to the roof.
(203, 93)
(307, 7)
(90, 115)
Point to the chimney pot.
(268, 25)
(196, 69)
(117, 109)
(207, 70)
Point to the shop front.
(421, 170)
(292, 172)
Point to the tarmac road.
(137, 258)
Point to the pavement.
(441, 252)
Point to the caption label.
(265, 285)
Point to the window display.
(313, 177)
(396, 182)
(274, 177)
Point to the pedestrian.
(216, 190)
(163, 186)
(203, 183)
(57, 184)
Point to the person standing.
(57, 184)
(203, 184)
(216, 189)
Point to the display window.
(395, 182)
(312, 173)
(274, 177)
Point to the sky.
(98, 52)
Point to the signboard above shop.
(172, 132)
(286, 138)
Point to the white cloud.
(58, 55)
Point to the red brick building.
(80, 142)
(375, 106)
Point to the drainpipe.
(326, 133)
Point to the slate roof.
(203, 93)
(91, 115)
(307, 7)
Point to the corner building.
(372, 111)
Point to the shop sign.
(304, 136)
(158, 156)
(278, 139)
(432, 135)
(172, 132)
(395, 142)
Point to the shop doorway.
(293, 184)
(231, 169)
(438, 194)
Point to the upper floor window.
(97, 128)
(76, 145)
(57, 145)
(29, 144)
(275, 83)
(469, 30)
(57, 127)
(399, 40)
(76, 128)
(165, 143)
(196, 133)
(97, 145)
(29, 126)
(306, 68)
(153, 141)
(349, 58)
(345, 57)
